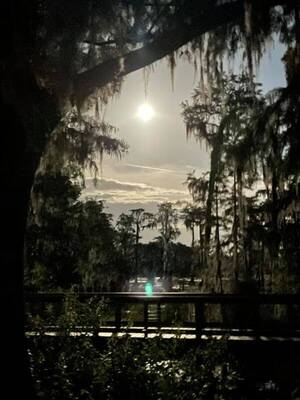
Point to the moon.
(145, 112)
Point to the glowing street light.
(149, 289)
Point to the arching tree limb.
(85, 83)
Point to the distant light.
(145, 112)
(149, 289)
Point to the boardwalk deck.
(248, 322)
(182, 334)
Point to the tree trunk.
(214, 170)
(16, 180)
(166, 268)
(165, 256)
(137, 237)
(201, 245)
(262, 261)
(193, 236)
(235, 231)
(274, 248)
(14, 206)
(239, 176)
(27, 115)
(218, 245)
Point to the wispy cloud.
(105, 184)
(150, 168)
(115, 191)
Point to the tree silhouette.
(166, 220)
(141, 220)
(57, 54)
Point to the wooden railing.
(240, 313)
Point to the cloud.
(115, 191)
(113, 184)
(123, 196)
(150, 168)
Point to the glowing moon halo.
(145, 112)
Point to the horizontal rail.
(170, 297)
(249, 304)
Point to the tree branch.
(207, 19)
(85, 83)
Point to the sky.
(160, 156)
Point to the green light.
(148, 289)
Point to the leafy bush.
(80, 367)
(73, 368)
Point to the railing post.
(118, 316)
(199, 318)
(145, 318)
(158, 315)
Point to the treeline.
(247, 207)
(75, 244)
(244, 216)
